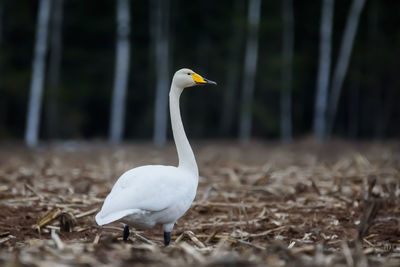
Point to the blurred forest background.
(285, 69)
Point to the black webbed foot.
(125, 235)
(167, 238)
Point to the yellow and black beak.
(200, 80)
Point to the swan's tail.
(102, 218)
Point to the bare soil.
(266, 204)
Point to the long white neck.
(186, 157)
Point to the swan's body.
(145, 196)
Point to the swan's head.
(188, 78)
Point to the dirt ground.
(266, 204)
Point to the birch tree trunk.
(1, 20)
(343, 61)
(389, 101)
(3, 101)
(250, 66)
(54, 66)
(121, 72)
(161, 36)
(353, 107)
(323, 69)
(36, 88)
(287, 58)
(375, 74)
(232, 78)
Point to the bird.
(150, 195)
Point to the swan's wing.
(144, 189)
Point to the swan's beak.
(200, 80)
(210, 82)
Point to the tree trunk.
(36, 89)
(54, 67)
(354, 97)
(375, 75)
(250, 66)
(161, 18)
(3, 101)
(388, 101)
(343, 61)
(121, 72)
(323, 69)
(232, 74)
(1, 20)
(287, 58)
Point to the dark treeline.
(209, 37)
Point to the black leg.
(167, 238)
(125, 235)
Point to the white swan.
(145, 196)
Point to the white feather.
(148, 190)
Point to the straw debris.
(297, 205)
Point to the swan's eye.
(188, 73)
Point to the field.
(266, 204)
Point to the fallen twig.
(56, 238)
